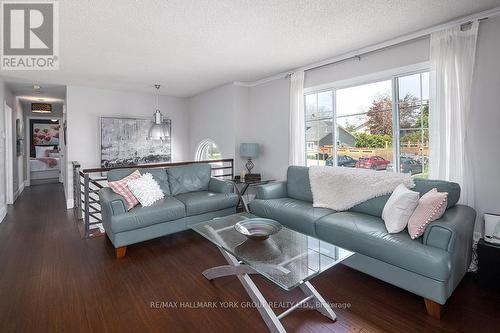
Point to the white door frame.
(28, 144)
(9, 156)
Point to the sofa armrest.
(220, 186)
(273, 190)
(112, 204)
(454, 229)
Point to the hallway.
(53, 281)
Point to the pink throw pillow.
(120, 188)
(431, 206)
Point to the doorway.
(44, 151)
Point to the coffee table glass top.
(287, 258)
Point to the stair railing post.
(77, 191)
(86, 188)
(232, 169)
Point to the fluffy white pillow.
(399, 208)
(41, 151)
(145, 189)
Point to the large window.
(380, 125)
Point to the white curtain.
(452, 55)
(297, 130)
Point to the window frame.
(393, 75)
(317, 92)
(204, 144)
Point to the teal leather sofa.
(191, 196)
(430, 266)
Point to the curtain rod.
(359, 55)
(481, 17)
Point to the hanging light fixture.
(159, 130)
(41, 107)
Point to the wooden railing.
(88, 182)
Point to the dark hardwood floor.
(51, 280)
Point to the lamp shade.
(250, 150)
(159, 130)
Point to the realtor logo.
(29, 33)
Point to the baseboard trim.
(69, 204)
(3, 213)
(26, 183)
(20, 190)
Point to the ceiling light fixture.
(41, 108)
(159, 130)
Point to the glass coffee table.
(288, 258)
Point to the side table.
(488, 264)
(246, 186)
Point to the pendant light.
(159, 130)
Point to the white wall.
(3, 206)
(19, 164)
(85, 105)
(409, 53)
(485, 119)
(232, 114)
(213, 115)
(268, 126)
(12, 102)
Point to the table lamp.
(249, 150)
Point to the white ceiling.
(49, 93)
(191, 45)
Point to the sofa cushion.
(453, 189)
(376, 205)
(166, 209)
(431, 207)
(161, 177)
(295, 214)
(367, 235)
(398, 209)
(120, 187)
(146, 189)
(298, 185)
(159, 174)
(203, 201)
(190, 178)
(117, 174)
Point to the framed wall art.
(124, 143)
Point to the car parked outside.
(342, 161)
(407, 165)
(372, 162)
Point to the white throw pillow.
(399, 208)
(41, 151)
(145, 189)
